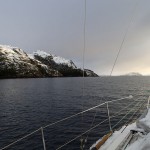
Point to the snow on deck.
(139, 142)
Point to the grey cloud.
(56, 26)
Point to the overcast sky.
(56, 26)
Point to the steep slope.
(14, 62)
(90, 73)
(54, 59)
(64, 66)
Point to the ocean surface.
(28, 104)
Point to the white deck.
(138, 141)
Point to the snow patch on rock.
(56, 59)
(41, 53)
(13, 53)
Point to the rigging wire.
(84, 37)
(124, 37)
(130, 104)
(20, 139)
(126, 114)
(116, 114)
(59, 121)
(86, 110)
(131, 118)
(84, 49)
(119, 50)
(83, 86)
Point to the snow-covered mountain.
(65, 66)
(14, 62)
(57, 59)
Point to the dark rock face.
(15, 63)
(90, 73)
(64, 69)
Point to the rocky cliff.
(15, 63)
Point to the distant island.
(16, 63)
(132, 74)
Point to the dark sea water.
(28, 104)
